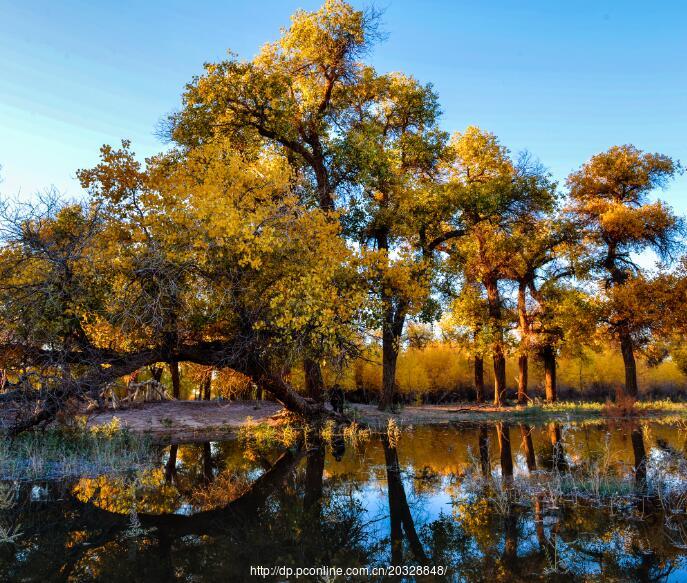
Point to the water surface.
(489, 502)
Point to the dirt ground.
(178, 421)
(185, 421)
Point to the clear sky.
(563, 80)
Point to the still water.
(490, 502)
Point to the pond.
(487, 502)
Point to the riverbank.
(186, 421)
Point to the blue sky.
(561, 79)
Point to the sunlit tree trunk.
(619, 276)
(479, 359)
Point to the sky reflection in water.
(589, 501)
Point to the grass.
(74, 452)
(260, 438)
(584, 409)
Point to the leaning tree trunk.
(548, 357)
(627, 348)
(107, 367)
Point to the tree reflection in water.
(338, 505)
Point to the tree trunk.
(627, 348)
(392, 328)
(503, 435)
(479, 379)
(171, 465)
(499, 375)
(389, 361)
(208, 476)
(524, 342)
(314, 382)
(522, 379)
(206, 387)
(108, 366)
(483, 443)
(176, 381)
(558, 460)
(494, 305)
(314, 472)
(510, 541)
(619, 276)
(640, 458)
(528, 446)
(324, 190)
(548, 356)
(399, 511)
(394, 320)
(156, 373)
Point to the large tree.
(206, 257)
(545, 256)
(493, 193)
(295, 95)
(610, 199)
(392, 149)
